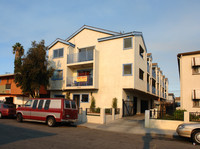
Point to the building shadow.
(9, 134)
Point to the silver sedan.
(190, 130)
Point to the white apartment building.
(189, 73)
(103, 64)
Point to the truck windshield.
(28, 103)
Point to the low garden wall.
(99, 116)
(154, 121)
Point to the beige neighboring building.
(189, 72)
(106, 64)
(171, 98)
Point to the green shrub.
(93, 104)
(114, 103)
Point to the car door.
(26, 110)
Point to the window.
(141, 74)
(141, 52)
(85, 98)
(8, 86)
(73, 105)
(57, 75)
(35, 104)
(196, 103)
(58, 53)
(128, 43)
(40, 104)
(127, 69)
(59, 96)
(46, 107)
(67, 104)
(196, 70)
(28, 103)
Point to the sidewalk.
(130, 126)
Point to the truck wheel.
(19, 117)
(196, 136)
(0, 115)
(51, 121)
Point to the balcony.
(157, 92)
(153, 73)
(148, 70)
(80, 81)
(153, 90)
(80, 57)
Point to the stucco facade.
(103, 64)
(189, 80)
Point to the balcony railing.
(80, 81)
(158, 79)
(148, 87)
(153, 73)
(153, 90)
(158, 92)
(80, 57)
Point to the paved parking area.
(14, 135)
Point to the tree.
(32, 71)
(114, 103)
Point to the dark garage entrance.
(144, 106)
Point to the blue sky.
(169, 27)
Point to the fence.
(93, 111)
(194, 116)
(100, 116)
(168, 120)
(167, 115)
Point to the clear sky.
(169, 26)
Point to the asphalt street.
(31, 135)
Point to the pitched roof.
(7, 75)
(62, 41)
(92, 28)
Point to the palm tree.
(18, 50)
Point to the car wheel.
(19, 117)
(51, 121)
(196, 136)
(0, 115)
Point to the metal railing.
(117, 111)
(167, 115)
(93, 111)
(80, 57)
(108, 111)
(153, 73)
(153, 90)
(80, 81)
(194, 116)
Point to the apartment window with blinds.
(127, 69)
(141, 51)
(196, 65)
(58, 53)
(128, 43)
(141, 74)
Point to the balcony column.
(138, 106)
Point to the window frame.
(131, 69)
(52, 78)
(124, 43)
(141, 55)
(47, 104)
(40, 104)
(82, 98)
(35, 103)
(58, 53)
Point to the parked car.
(49, 110)
(190, 130)
(8, 110)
